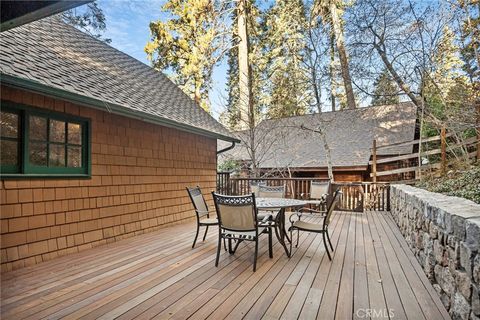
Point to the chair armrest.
(298, 214)
(265, 222)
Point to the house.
(291, 145)
(95, 145)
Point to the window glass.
(57, 155)
(9, 125)
(9, 142)
(38, 153)
(9, 152)
(74, 133)
(38, 128)
(74, 157)
(57, 131)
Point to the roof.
(54, 58)
(15, 13)
(282, 143)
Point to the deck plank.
(159, 276)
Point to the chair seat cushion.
(209, 221)
(308, 226)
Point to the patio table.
(280, 204)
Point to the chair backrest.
(319, 189)
(336, 196)
(271, 192)
(198, 201)
(237, 213)
(254, 186)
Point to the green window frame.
(49, 144)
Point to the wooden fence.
(357, 196)
(442, 147)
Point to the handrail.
(357, 196)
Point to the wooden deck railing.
(357, 196)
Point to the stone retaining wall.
(444, 234)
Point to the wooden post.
(443, 141)
(374, 160)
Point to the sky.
(128, 28)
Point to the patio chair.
(319, 191)
(254, 186)
(201, 211)
(300, 225)
(271, 192)
(237, 216)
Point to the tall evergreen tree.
(256, 33)
(331, 12)
(189, 44)
(286, 45)
(386, 90)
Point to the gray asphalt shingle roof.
(282, 143)
(52, 53)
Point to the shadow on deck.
(373, 274)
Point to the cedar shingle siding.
(139, 174)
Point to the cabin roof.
(54, 58)
(282, 143)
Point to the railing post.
(443, 142)
(374, 160)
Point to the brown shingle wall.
(139, 175)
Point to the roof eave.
(42, 12)
(37, 87)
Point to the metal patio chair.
(255, 185)
(270, 192)
(237, 216)
(322, 228)
(201, 211)
(319, 191)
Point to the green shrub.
(465, 184)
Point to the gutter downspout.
(227, 148)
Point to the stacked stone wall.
(444, 234)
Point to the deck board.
(158, 276)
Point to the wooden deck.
(159, 276)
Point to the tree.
(89, 18)
(189, 44)
(245, 98)
(232, 116)
(386, 91)
(286, 46)
(331, 11)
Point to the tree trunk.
(332, 69)
(342, 53)
(244, 79)
(396, 76)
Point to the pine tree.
(189, 45)
(386, 90)
(256, 34)
(331, 12)
(89, 18)
(286, 45)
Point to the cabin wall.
(137, 185)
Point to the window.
(35, 142)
